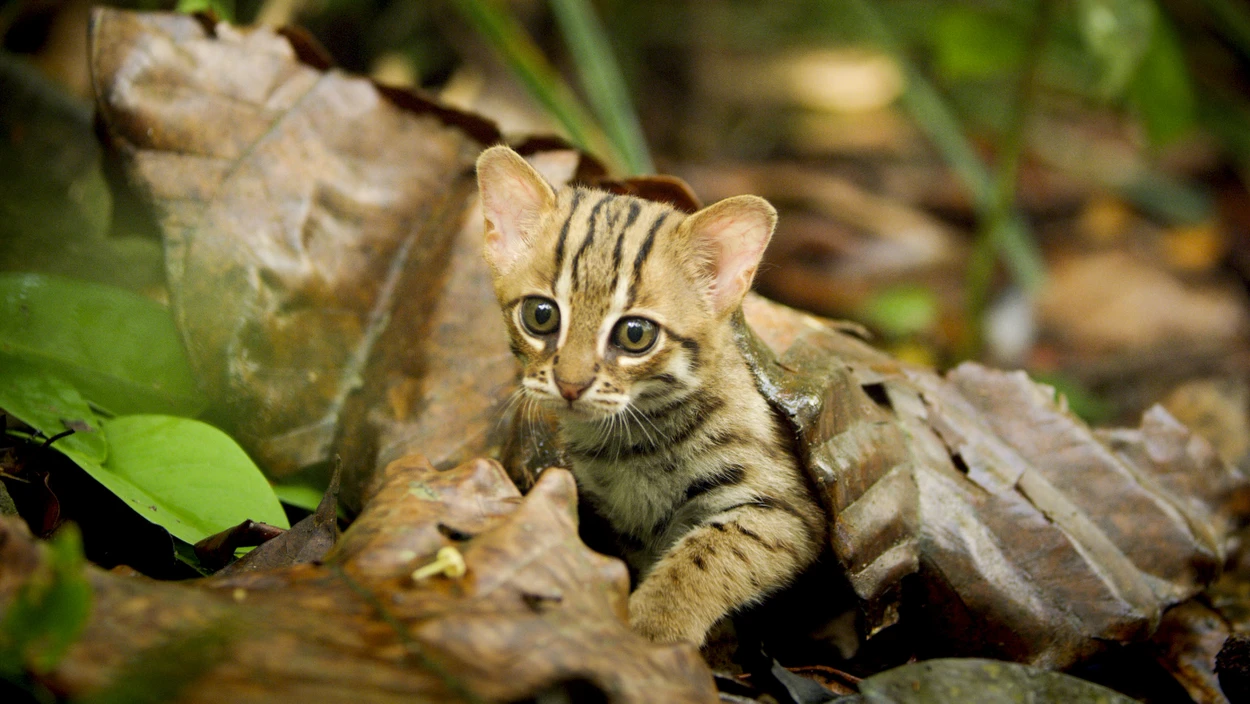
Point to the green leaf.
(1091, 407)
(956, 681)
(184, 475)
(48, 404)
(224, 9)
(970, 44)
(1118, 34)
(50, 610)
(1161, 92)
(299, 495)
(902, 310)
(121, 351)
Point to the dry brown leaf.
(534, 609)
(1035, 538)
(300, 208)
(1111, 302)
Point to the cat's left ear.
(732, 234)
(514, 196)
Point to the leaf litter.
(972, 509)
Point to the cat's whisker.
(633, 413)
(642, 417)
(510, 407)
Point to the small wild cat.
(620, 310)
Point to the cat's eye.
(635, 335)
(540, 316)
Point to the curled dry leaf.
(1035, 538)
(307, 541)
(535, 608)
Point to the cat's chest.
(636, 498)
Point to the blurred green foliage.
(49, 611)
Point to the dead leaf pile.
(535, 610)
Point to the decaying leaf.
(298, 206)
(307, 541)
(958, 681)
(1036, 538)
(535, 607)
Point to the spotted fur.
(675, 446)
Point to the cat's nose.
(573, 390)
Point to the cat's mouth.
(583, 409)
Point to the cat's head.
(612, 301)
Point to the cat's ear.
(514, 196)
(732, 235)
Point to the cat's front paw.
(659, 620)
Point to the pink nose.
(571, 391)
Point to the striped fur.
(675, 446)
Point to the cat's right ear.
(514, 196)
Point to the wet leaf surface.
(535, 608)
(954, 681)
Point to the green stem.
(1011, 239)
(602, 80)
(1001, 222)
(1232, 19)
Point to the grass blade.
(602, 80)
(936, 119)
(519, 52)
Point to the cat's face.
(612, 303)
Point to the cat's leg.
(732, 559)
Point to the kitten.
(620, 311)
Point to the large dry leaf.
(302, 209)
(535, 608)
(1035, 538)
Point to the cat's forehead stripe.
(590, 236)
(643, 252)
(564, 233)
(634, 208)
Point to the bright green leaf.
(902, 310)
(971, 44)
(184, 475)
(224, 9)
(50, 405)
(1118, 34)
(1162, 92)
(49, 611)
(299, 495)
(121, 351)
